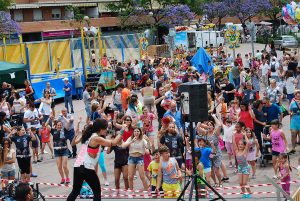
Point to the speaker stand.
(196, 176)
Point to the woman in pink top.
(279, 142)
(246, 115)
(147, 119)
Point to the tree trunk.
(219, 23)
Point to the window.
(37, 14)
(18, 15)
(56, 13)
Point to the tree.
(4, 4)
(275, 13)
(7, 25)
(76, 18)
(148, 12)
(215, 10)
(244, 10)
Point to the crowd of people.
(246, 106)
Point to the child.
(35, 146)
(223, 109)
(169, 174)
(228, 129)
(200, 172)
(153, 172)
(205, 159)
(253, 151)
(242, 149)
(45, 134)
(237, 136)
(279, 142)
(283, 171)
(147, 119)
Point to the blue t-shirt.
(68, 93)
(205, 152)
(176, 117)
(273, 112)
(22, 144)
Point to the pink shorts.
(229, 148)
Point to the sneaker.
(45, 152)
(67, 180)
(230, 165)
(74, 155)
(134, 177)
(292, 151)
(225, 179)
(62, 181)
(244, 196)
(275, 177)
(253, 176)
(106, 183)
(39, 161)
(33, 175)
(52, 157)
(211, 195)
(249, 196)
(34, 162)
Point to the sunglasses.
(127, 119)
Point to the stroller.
(266, 150)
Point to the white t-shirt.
(136, 69)
(46, 108)
(265, 69)
(290, 87)
(228, 133)
(17, 105)
(276, 68)
(32, 115)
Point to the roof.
(39, 5)
(7, 67)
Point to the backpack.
(273, 68)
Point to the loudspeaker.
(194, 101)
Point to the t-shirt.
(160, 110)
(22, 145)
(273, 112)
(174, 143)
(249, 96)
(265, 69)
(119, 73)
(121, 155)
(292, 66)
(274, 68)
(205, 152)
(230, 96)
(5, 92)
(228, 133)
(290, 87)
(136, 69)
(67, 86)
(86, 98)
(153, 169)
(68, 126)
(260, 117)
(32, 115)
(124, 95)
(59, 139)
(17, 105)
(235, 72)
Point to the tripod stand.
(194, 178)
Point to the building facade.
(45, 19)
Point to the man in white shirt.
(258, 54)
(247, 62)
(32, 117)
(265, 67)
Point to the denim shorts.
(11, 173)
(136, 160)
(61, 152)
(88, 110)
(244, 170)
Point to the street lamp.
(252, 29)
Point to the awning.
(85, 4)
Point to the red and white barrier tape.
(142, 191)
(149, 196)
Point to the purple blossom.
(215, 10)
(8, 25)
(246, 9)
(177, 14)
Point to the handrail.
(296, 196)
(279, 189)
